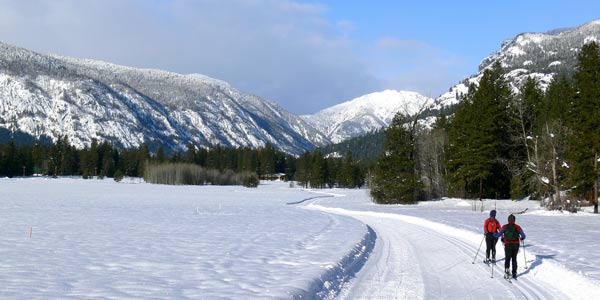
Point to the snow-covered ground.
(98, 239)
(435, 244)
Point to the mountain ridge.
(541, 55)
(366, 113)
(87, 99)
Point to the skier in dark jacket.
(511, 235)
(490, 226)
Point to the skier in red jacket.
(490, 226)
(511, 233)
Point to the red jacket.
(519, 230)
(491, 221)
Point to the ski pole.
(524, 256)
(474, 258)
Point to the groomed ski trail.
(415, 258)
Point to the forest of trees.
(317, 171)
(501, 144)
(218, 165)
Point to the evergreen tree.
(161, 157)
(304, 169)
(267, 160)
(38, 156)
(318, 176)
(585, 142)
(26, 160)
(395, 179)
(128, 163)
(479, 139)
(190, 154)
(290, 166)
(143, 156)
(332, 177)
(110, 160)
(556, 102)
(10, 163)
(347, 176)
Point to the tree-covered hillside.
(501, 144)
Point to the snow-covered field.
(98, 239)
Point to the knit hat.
(511, 218)
(493, 213)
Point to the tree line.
(217, 165)
(313, 169)
(502, 144)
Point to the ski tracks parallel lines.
(436, 285)
(525, 287)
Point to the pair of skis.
(509, 277)
(506, 276)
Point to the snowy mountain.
(86, 99)
(541, 55)
(366, 113)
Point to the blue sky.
(449, 36)
(304, 55)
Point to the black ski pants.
(510, 252)
(490, 243)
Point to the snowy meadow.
(94, 239)
(98, 239)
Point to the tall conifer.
(395, 179)
(585, 142)
(479, 139)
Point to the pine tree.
(395, 178)
(347, 172)
(190, 154)
(556, 103)
(161, 157)
(585, 142)
(459, 146)
(303, 169)
(479, 139)
(266, 160)
(318, 176)
(332, 167)
(142, 157)
(10, 159)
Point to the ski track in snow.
(404, 265)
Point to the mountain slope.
(366, 113)
(540, 55)
(85, 100)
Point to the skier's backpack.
(511, 233)
(492, 226)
